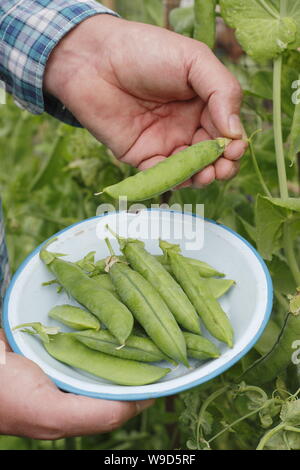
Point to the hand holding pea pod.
(169, 173)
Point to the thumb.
(219, 89)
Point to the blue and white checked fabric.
(29, 31)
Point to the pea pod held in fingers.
(200, 348)
(102, 303)
(208, 308)
(268, 367)
(170, 291)
(137, 348)
(169, 173)
(148, 308)
(75, 317)
(65, 348)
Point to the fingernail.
(235, 126)
(143, 405)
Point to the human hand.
(147, 92)
(32, 406)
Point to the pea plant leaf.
(294, 139)
(260, 29)
(291, 203)
(269, 223)
(182, 20)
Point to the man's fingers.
(217, 87)
(225, 169)
(235, 150)
(84, 416)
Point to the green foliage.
(281, 30)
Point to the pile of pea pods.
(137, 310)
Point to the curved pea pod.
(149, 309)
(208, 308)
(75, 317)
(102, 303)
(137, 348)
(169, 173)
(170, 291)
(67, 349)
(200, 348)
(268, 367)
(219, 287)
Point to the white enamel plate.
(248, 304)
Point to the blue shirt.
(29, 31)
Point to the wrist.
(81, 48)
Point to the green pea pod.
(102, 303)
(208, 308)
(169, 173)
(148, 308)
(75, 317)
(200, 348)
(67, 349)
(204, 269)
(105, 282)
(205, 21)
(219, 287)
(170, 291)
(137, 348)
(268, 367)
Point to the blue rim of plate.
(148, 395)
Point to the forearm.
(29, 32)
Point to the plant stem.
(205, 405)
(283, 184)
(227, 428)
(268, 436)
(257, 170)
(280, 157)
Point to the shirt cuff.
(29, 31)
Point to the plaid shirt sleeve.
(29, 31)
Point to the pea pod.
(268, 367)
(65, 348)
(169, 173)
(105, 282)
(208, 308)
(75, 317)
(200, 348)
(219, 287)
(170, 291)
(203, 269)
(148, 308)
(102, 303)
(137, 348)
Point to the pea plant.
(255, 405)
